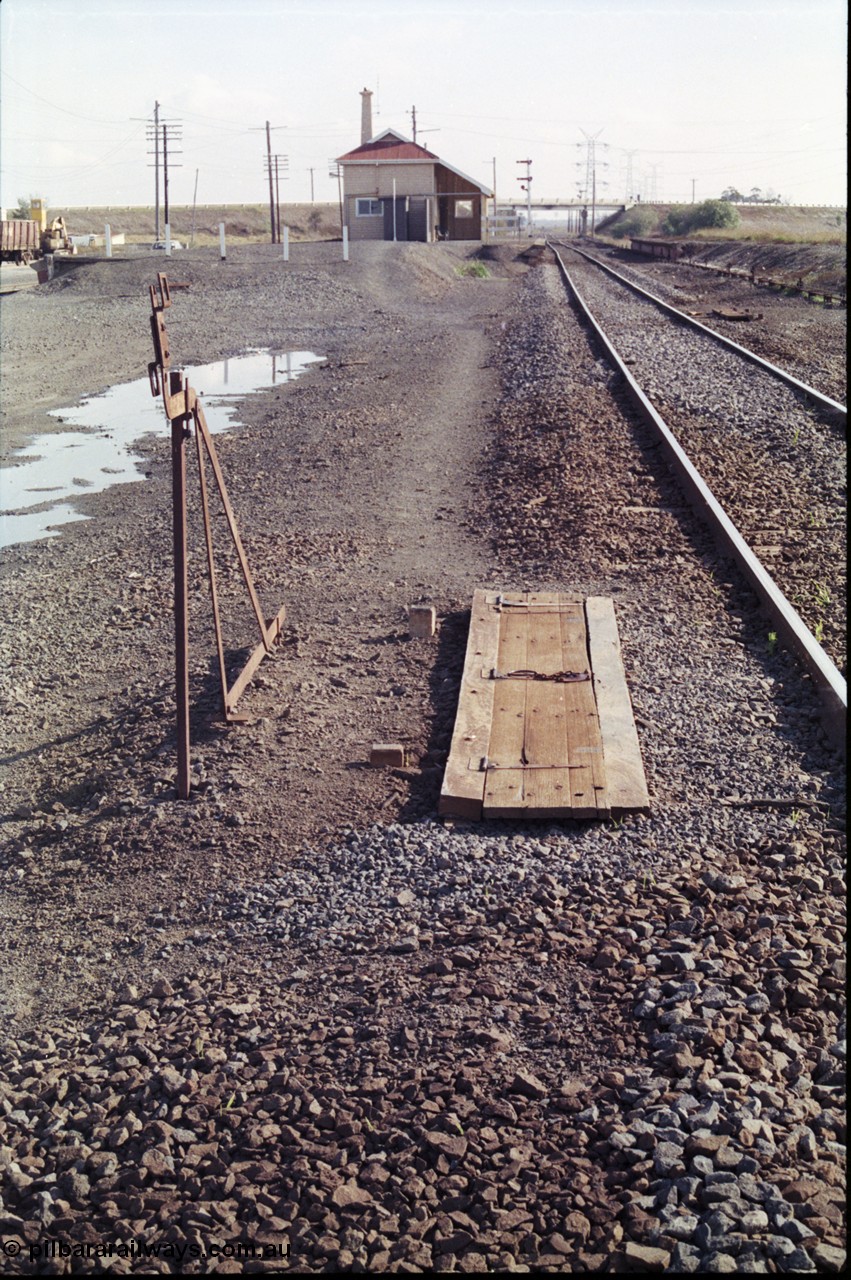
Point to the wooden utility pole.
(194, 203)
(153, 135)
(271, 189)
(156, 171)
(165, 173)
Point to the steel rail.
(790, 627)
(803, 388)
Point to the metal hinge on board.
(557, 677)
(499, 602)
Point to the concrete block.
(422, 621)
(387, 754)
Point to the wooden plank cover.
(551, 748)
(463, 785)
(625, 779)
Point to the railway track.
(832, 407)
(762, 465)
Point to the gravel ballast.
(297, 1013)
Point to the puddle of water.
(98, 452)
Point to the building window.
(463, 208)
(368, 208)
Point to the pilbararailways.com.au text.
(166, 1250)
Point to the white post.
(222, 249)
(168, 240)
(107, 237)
(345, 244)
(394, 209)
(286, 238)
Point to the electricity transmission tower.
(629, 188)
(590, 188)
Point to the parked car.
(161, 245)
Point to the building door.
(418, 219)
(401, 219)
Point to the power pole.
(414, 123)
(527, 179)
(281, 163)
(271, 192)
(165, 173)
(156, 171)
(269, 168)
(194, 203)
(166, 128)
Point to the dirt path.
(358, 490)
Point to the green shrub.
(637, 222)
(685, 218)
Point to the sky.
(681, 98)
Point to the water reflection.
(99, 453)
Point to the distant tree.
(756, 195)
(732, 194)
(23, 209)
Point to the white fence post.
(168, 240)
(286, 244)
(222, 249)
(107, 239)
(345, 244)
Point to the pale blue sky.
(743, 92)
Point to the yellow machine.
(38, 212)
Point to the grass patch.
(476, 270)
(770, 235)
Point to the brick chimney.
(365, 116)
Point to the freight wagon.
(667, 250)
(20, 240)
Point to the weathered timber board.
(529, 746)
(463, 787)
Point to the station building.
(395, 189)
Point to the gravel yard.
(297, 1013)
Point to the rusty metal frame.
(185, 411)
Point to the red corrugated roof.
(388, 149)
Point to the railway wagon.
(667, 250)
(20, 240)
